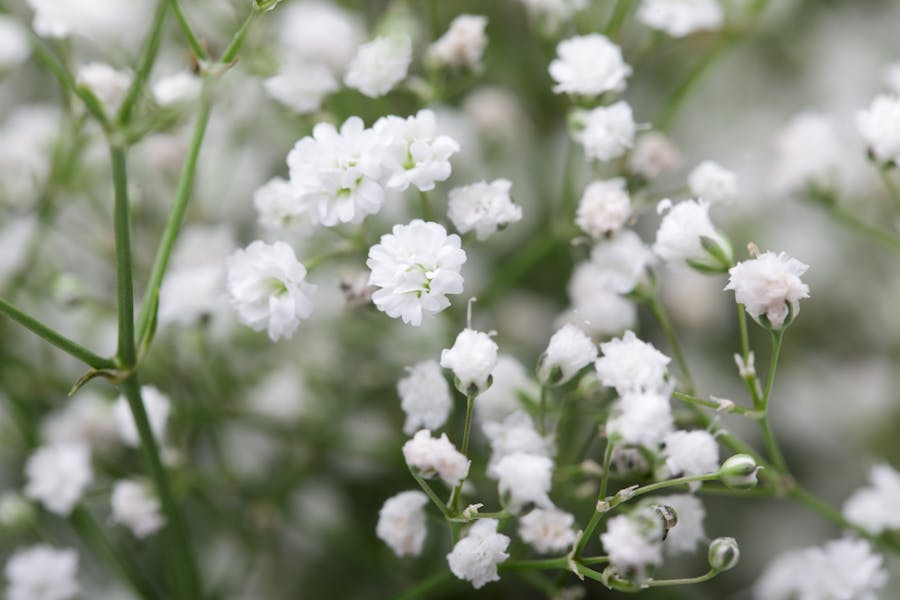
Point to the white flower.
(42, 572)
(589, 65)
(621, 263)
(277, 204)
(604, 208)
(14, 45)
(553, 13)
(438, 456)
(654, 154)
(634, 542)
(679, 233)
(301, 87)
(58, 476)
(379, 65)
(879, 126)
(712, 182)
(87, 417)
(596, 309)
(769, 286)
(641, 419)
(496, 111)
(135, 507)
(267, 287)
(317, 32)
(107, 83)
(569, 351)
(176, 88)
(483, 207)
(547, 530)
(844, 569)
(414, 268)
(472, 358)
(679, 18)
(875, 508)
(415, 153)
(463, 44)
(606, 132)
(337, 173)
(632, 365)
(691, 453)
(515, 434)
(99, 21)
(688, 530)
(807, 151)
(401, 523)
(280, 397)
(475, 557)
(424, 397)
(156, 404)
(502, 399)
(526, 479)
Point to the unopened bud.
(739, 472)
(471, 511)
(723, 553)
(667, 515)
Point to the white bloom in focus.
(176, 88)
(691, 453)
(475, 557)
(769, 286)
(621, 263)
(301, 87)
(472, 359)
(641, 419)
(526, 478)
(58, 475)
(317, 32)
(401, 523)
(569, 351)
(515, 434)
(379, 65)
(634, 542)
(589, 65)
(267, 287)
(436, 456)
(14, 44)
(415, 267)
(107, 83)
(135, 507)
(654, 154)
(679, 18)
(277, 204)
(633, 366)
(808, 151)
(875, 508)
(42, 572)
(879, 126)
(606, 132)
(502, 399)
(688, 530)
(463, 44)
(424, 397)
(157, 406)
(483, 207)
(415, 153)
(679, 233)
(604, 208)
(713, 183)
(547, 530)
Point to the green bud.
(739, 472)
(724, 553)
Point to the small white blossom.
(157, 406)
(691, 453)
(436, 456)
(58, 475)
(107, 83)
(86, 417)
(634, 542)
(807, 151)
(515, 434)
(713, 183)
(379, 65)
(14, 44)
(135, 507)
(879, 126)
(278, 205)
(641, 419)
(496, 111)
(415, 153)
(42, 572)
(502, 399)
(176, 88)
(301, 87)
(588, 65)
(547, 530)
(875, 507)
(401, 523)
(483, 207)
(569, 351)
(679, 18)
(267, 287)
(654, 154)
(424, 397)
(688, 531)
(463, 44)
(679, 233)
(604, 208)
(621, 263)
(319, 32)
(551, 14)
(632, 365)
(100, 21)
(526, 479)
(606, 132)
(472, 359)
(596, 309)
(475, 557)
(769, 286)
(414, 268)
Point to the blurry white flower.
(515, 434)
(301, 87)
(463, 43)
(379, 65)
(135, 507)
(14, 44)
(58, 475)
(547, 530)
(401, 523)
(588, 65)
(267, 287)
(606, 132)
(621, 263)
(769, 286)
(25, 142)
(495, 110)
(42, 572)
(436, 456)
(524, 479)
(569, 351)
(99, 21)
(712, 182)
(679, 236)
(634, 542)
(807, 152)
(107, 83)
(156, 404)
(87, 417)
(596, 309)
(641, 419)
(679, 18)
(633, 366)
(691, 453)
(553, 13)
(475, 557)
(277, 204)
(604, 208)
(176, 88)
(280, 396)
(879, 126)
(483, 207)
(502, 399)
(415, 267)
(688, 531)
(316, 32)
(424, 397)
(472, 358)
(415, 153)
(875, 507)
(654, 154)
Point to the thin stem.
(146, 63)
(195, 45)
(671, 483)
(718, 406)
(877, 233)
(431, 494)
(56, 338)
(885, 173)
(91, 102)
(542, 564)
(542, 410)
(124, 286)
(777, 336)
(425, 205)
(750, 379)
(470, 401)
(617, 19)
(604, 477)
(662, 318)
(599, 512)
(683, 581)
(237, 40)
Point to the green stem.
(777, 336)
(91, 102)
(542, 243)
(425, 205)
(885, 173)
(734, 408)
(470, 401)
(124, 289)
(542, 410)
(880, 235)
(431, 494)
(751, 381)
(195, 45)
(146, 63)
(56, 338)
(542, 564)
(601, 497)
(237, 40)
(662, 318)
(617, 19)
(683, 581)
(671, 483)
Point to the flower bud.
(15, 511)
(724, 553)
(739, 471)
(667, 515)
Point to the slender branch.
(124, 285)
(599, 510)
(146, 63)
(662, 318)
(470, 401)
(683, 581)
(425, 205)
(542, 410)
(718, 406)
(617, 19)
(431, 494)
(538, 564)
(237, 40)
(768, 436)
(750, 379)
(93, 105)
(195, 45)
(773, 363)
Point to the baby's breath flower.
(622, 263)
(42, 573)
(641, 419)
(156, 404)
(569, 351)
(107, 83)
(462, 44)
(876, 508)
(687, 532)
(808, 152)
(424, 397)
(472, 359)
(691, 453)
(654, 154)
(712, 182)
(769, 287)
(134, 506)
(633, 366)
(58, 475)
(679, 18)
(176, 88)
(277, 204)
(14, 45)
(415, 154)
(379, 65)
(547, 530)
(525, 479)
(879, 126)
(634, 542)
(436, 456)
(401, 523)
(301, 87)
(483, 207)
(604, 208)
(686, 234)
(475, 557)
(588, 65)
(606, 132)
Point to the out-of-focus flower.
(515, 434)
(879, 126)
(107, 83)
(483, 207)
(278, 205)
(691, 453)
(401, 523)
(641, 419)
(713, 183)
(679, 18)
(42, 573)
(654, 154)
(323, 33)
(569, 351)
(606, 132)
(14, 45)
(588, 65)
(379, 65)
(875, 507)
(524, 479)
(58, 475)
(769, 286)
(502, 399)
(135, 507)
(634, 542)
(475, 557)
(621, 264)
(436, 456)
(463, 43)
(301, 87)
(551, 14)
(176, 88)
(808, 152)
(547, 530)
(604, 208)
(680, 237)
(687, 532)
(424, 397)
